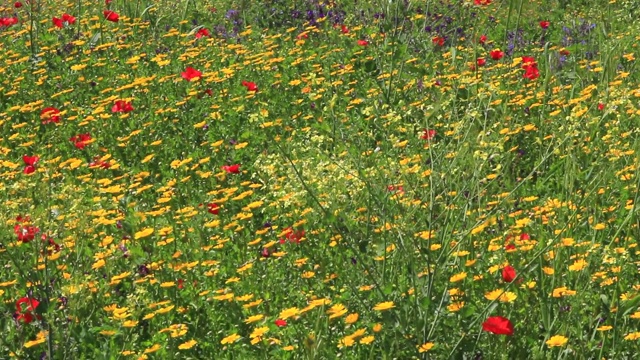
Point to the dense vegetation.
(319, 179)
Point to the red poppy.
(202, 33)
(107, 2)
(528, 61)
(483, 39)
(363, 42)
(80, 141)
(399, 189)
(66, 20)
(601, 106)
(281, 323)
(564, 52)
(508, 273)
(544, 24)
(344, 29)
(29, 164)
(232, 169)
(111, 16)
(292, 236)
(531, 72)
(24, 307)
(496, 54)
(428, 134)
(251, 86)
(213, 208)
(25, 233)
(498, 325)
(180, 284)
(190, 73)
(122, 106)
(525, 236)
(481, 62)
(8, 21)
(438, 40)
(49, 115)
(99, 163)
(17, 5)
(482, 2)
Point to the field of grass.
(306, 179)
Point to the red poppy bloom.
(17, 5)
(180, 284)
(438, 40)
(49, 115)
(8, 21)
(232, 169)
(483, 39)
(80, 141)
(213, 208)
(190, 73)
(508, 273)
(344, 29)
(482, 2)
(25, 233)
(564, 52)
(498, 325)
(99, 163)
(544, 24)
(24, 307)
(363, 42)
(528, 61)
(202, 33)
(29, 164)
(251, 86)
(531, 72)
(525, 236)
(496, 54)
(601, 106)
(428, 134)
(481, 62)
(111, 16)
(66, 20)
(122, 106)
(107, 2)
(281, 323)
(292, 236)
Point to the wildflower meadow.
(314, 179)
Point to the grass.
(314, 180)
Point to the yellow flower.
(187, 345)
(377, 327)
(35, 342)
(230, 339)
(578, 265)
(605, 328)
(557, 340)
(501, 295)
(154, 348)
(562, 291)
(425, 347)
(290, 312)
(456, 306)
(143, 233)
(367, 340)
(254, 318)
(384, 306)
(633, 336)
(458, 277)
(258, 332)
(351, 318)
